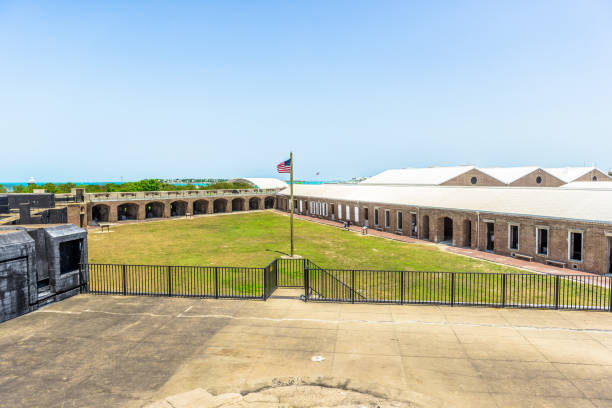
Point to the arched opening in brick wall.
(200, 207)
(467, 233)
(100, 213)
(269, 203)
(425, 227)
(178, 208)
(238, 204)
(254, 204)
(154, 209)
(127, 211)
(447, 229)
(220, 205)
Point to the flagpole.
(292, 204)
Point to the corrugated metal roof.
(416, 176)
(574, 204)
(508, 175)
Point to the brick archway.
(238, 204)
(269, 202)
(100, 213)
(200, 207)
(220, 205)
(127, 211)
(154, 209)
(178, 208)
(254, 203)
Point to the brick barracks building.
(492, 210)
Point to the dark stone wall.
(40, 266)
(17, 274)
(38, 200)
(4, 208)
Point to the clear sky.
(93, 91)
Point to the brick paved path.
(500, 259)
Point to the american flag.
(284, 167)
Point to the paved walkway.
(113, 351)
(500, 259)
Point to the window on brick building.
(542, 240)
(365, 214)
(387, 219)
(400, 220)
(539, 180)
(376, 216)
(575, 246)
(474, 180)
(513, 237)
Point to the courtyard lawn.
(255, 239)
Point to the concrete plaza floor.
(134, 351)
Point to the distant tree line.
(132, 186)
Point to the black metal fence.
(291, 272)
(188, 281)
(459, 288)
(581, 292)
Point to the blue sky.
(104, 90)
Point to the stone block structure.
(39, 265)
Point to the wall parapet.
(158, 195)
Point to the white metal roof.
(508, 175)
(606, 185)
(575, 204)
(416, 176)
(263, 182)
(569, 174)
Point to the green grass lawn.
(255, 239)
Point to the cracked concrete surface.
(117, 351)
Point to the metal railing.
(580, 292)
(161, 195)
(460, 288)
(183, 281)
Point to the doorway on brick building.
(448, 230)
(490, 236)
(467, 233)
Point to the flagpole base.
(292, 257)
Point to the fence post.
(504, 290)
(352, 286)
(124, 280)
(169, 281)
(276, 272)
(610, 293)
(402, 287)
(306, 281)
(452, 288)
(557, 292)
(216, 282)
(266, 271)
